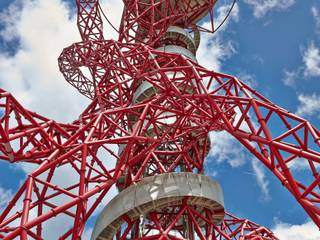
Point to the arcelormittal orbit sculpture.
(146, 132)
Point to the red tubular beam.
(161, 133)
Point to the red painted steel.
(166, 132)
(188, 222)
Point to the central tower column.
(177, 202)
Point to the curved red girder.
(147, 21)
(27, 136)
(237, 228)
(218, 102)
(185, 221)
(89, 20)
(195, 99)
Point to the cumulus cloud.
(260, 175)
(309, 105)
(212, 52)
(248, 78)
(214, 49)
(43, 29)
(306, 231)
(221, 13)
(5, 197)
(290, 77)
(316, 14)
(302, 164)
(224, 148)
(309, 68)
(311, 60)
(262, 7)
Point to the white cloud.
(213, 49)
(224, 148)
(43, 28)
(5, 197)
(309, 68)
(306, 231)
(262, 7)
(247, 78)
(263, 183)
(311, 60)
(309, 105)
(290, 77)
(222, 12)
(8, 19)
(302, 164)
(316, 14)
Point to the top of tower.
(185, 12)
(147, 21)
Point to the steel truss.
(187, 222)
(166, 132)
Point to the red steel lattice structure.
(165, 131)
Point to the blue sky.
(274, 45)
